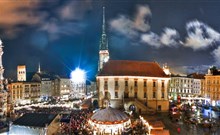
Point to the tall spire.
(103, 20)
(103, 42)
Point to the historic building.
(212, 86)
(24, 92)
(21, 73)
(103, 48)
(141, 84)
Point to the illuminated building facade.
(141, 84)
(24, 92)
(212, 86)
(21, 73)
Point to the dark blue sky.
(65, 34)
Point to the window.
(163, 84)
(162, 95)
(116, 83)
(106, 94)
(154, 94)
(145, 84)
(145, 94)
(126, 83)
(106, 85)
(154, 84)
(116, 94)
(135, 83)
(135, 94)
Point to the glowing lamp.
(78, 76)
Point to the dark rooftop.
(35, 119)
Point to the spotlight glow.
(78, 76)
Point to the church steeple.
(103, 48)
(104, 41)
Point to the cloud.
(131, 27)
(151, 39)
(124, 25)
(74, 10)
(15, 13)
(141, 21)
(216, 55)
(200, 35)
(170, 37)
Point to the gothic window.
(116, 94)
(154, 94)
(162, 95)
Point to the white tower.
(103, 48)
(1, 66)
(21, 73)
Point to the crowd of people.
(75, 122)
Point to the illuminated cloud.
(15, 13)
(170, 37)
(141, 19)
(151, 39)
(131, 27)
(200, 35)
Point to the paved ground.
(186, 129)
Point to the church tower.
(1, 66)
(103, 48)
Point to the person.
(178, 129)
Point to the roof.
(35, 119)
(109, 115)
(196, 76)
(132, 68)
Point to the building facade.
(212, 86)
(21, 73)
(127, 83)
(24, 92)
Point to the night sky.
(65, 34)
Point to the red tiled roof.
(132, 68)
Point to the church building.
(133, 85)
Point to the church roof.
(132, 68)
(109, 115)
